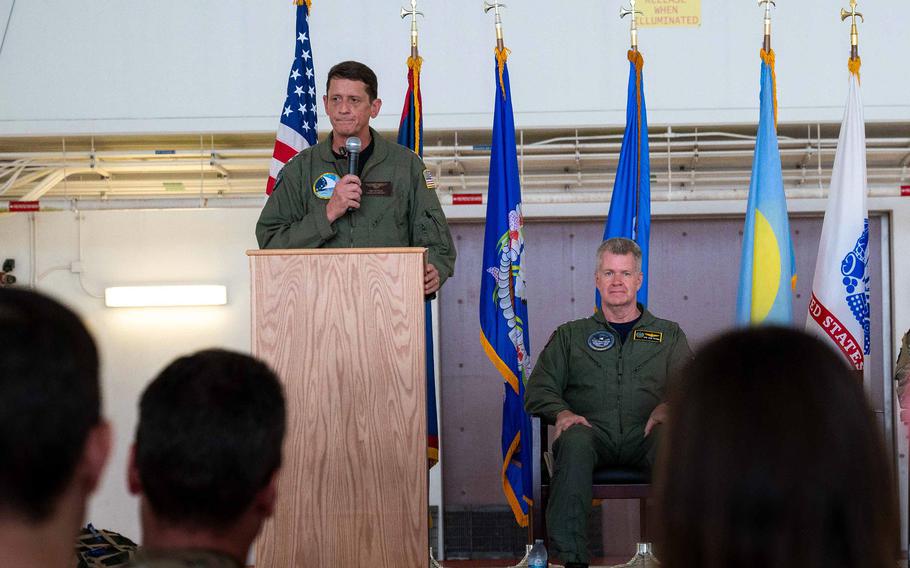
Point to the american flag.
(297, 128)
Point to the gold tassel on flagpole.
(768, 57)
(767, 54)
(502, 55)
(636, 58)
(414, 64)
(302, 2)
(854, 64)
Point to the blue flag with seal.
(630, 204)
(767, 271)
(410, 135)
(503, 299)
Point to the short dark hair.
(354, 71)
(209, 437)
(49, 400)
(773, 458)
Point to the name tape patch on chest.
(324, 186)
(377, 188)
(601, 340)
(649, 336)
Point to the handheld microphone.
(352, 145)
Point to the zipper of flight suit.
(363, 174)
(619, 388)
(342, 171)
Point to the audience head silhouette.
(53, 441)
(207, 452)
(773, 458)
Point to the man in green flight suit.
(391, 202)
(602, 381)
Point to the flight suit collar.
(380, 153)
(647, 318)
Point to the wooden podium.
(344, 329)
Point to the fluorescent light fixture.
(164, 296)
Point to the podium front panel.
(345, 332)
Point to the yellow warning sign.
(669, 13)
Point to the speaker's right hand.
(345, 197)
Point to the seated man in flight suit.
(603, 381)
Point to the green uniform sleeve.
(287, 221)
(544, 390)
(902, 369)
(429, 227)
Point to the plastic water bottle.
(537, 558)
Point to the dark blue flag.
(503, 298)
(630, 205)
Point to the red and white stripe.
(288, 142)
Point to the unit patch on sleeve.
(428, 177)
(649, 336)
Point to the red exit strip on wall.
(23, 206)
(905, 191)
(473, 198)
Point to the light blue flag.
(630, 205)
(767, 272)
(503, 301)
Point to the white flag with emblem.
(839, 306)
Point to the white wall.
(130, 248)
(221, 65)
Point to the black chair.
(615, 482)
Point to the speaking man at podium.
(354, 189)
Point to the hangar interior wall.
(693, 280)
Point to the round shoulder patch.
(601, 340)
(324, 186)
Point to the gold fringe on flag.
(414, 65)
(853, 65)
(768, 57)
(302, 2)
(502, 54)
(636, 58)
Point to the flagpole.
(633, 25)
(768, 3)
(413, 13)
(496, 5)
(767, 54)
(854, 32)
